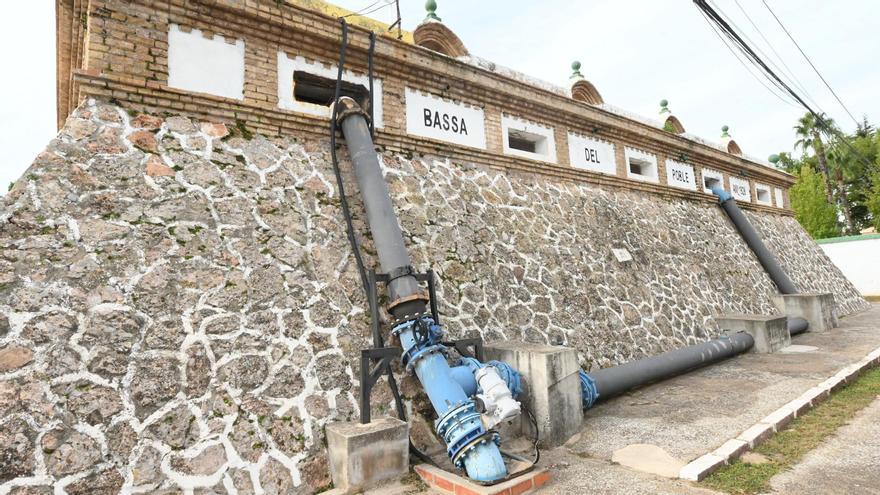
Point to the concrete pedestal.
(770, 332)
(364, 455)
(552, 389)
(818, 309)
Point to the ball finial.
(431, 7)
(576, 70)
(774, 158)
(664, 106)
(724, 130)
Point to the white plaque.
(591, 154)
(739, 188)
(780, 200)
(680, 175)
(435, 118)
(622, 255)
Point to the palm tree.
(809, 131)
(809, 138)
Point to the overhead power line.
(809, 62)
(738, 41)
(785, 68)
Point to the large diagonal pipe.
(748, 233)
(469, 443)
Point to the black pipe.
(797, 325)
(388, 238)
(612, 381)
(748, 233)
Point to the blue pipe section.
(469, 444)
(589, 393)
(723, 196)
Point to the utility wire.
(778, 21)
(746, 67)
(731, 33)
(790, 73)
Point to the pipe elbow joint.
(723, 196)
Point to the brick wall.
(123, 55)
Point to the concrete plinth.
(770, 332)
(364, 455)
(818, 309)
(552, 389)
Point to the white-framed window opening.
(640, 165)
(763, 195)
(712, 178)
(527, 139)
(306, 86)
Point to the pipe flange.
(346, 107)
(419, 296)
(410, 359)
(488, 436)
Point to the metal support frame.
(377, 361)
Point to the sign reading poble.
(680, 175)
(435, 118)
(591, 154)
(739, 188)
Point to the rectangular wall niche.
(763, 195)
(527, 139)
(205, 65)
(680, 175)
(435, 118)
(641, 165)
(591, 154)
(780, 199)
(302, 87)
(740, 189)
(712, 178)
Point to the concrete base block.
(770, 332)
(552, 389)
(818, 309)
(364, 455)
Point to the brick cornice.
(532, 102)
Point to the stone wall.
(180, 307)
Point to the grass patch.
(802, 435)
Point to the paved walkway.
(693, 414)
(849, 462)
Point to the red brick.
(444, 484)
(463, 490)
(541, 478)
(521, 487)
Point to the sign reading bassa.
(739, 188)
(590, 154)
(680, 175)
(435, 118)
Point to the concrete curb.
(753, 436)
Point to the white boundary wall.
(859, 260)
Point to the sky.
(635, 52)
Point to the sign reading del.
(591, 154)
(435, 118)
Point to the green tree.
(810, 139)
(872, 202)
(815, 214)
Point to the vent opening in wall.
(317, 90)
(762, 195)
(526, 141)
(637, 166)
(710, 182)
